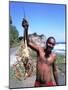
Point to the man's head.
(50, 43)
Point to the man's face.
(50, 45)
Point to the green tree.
(13, 34)
(10, 20)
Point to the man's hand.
(25, 24)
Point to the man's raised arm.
(25, 26)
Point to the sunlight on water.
(59, 48)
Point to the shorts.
(38, 84)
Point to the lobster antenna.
(24, 13)
(25, 19)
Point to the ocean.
(59, 48)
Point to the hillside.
(36, 39)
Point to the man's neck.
(47, 53)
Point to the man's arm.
(31, 45)
(55, 73)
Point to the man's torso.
(44, 65)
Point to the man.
(45, 60)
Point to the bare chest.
(46, 60)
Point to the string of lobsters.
(24, 58)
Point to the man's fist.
(25, 24)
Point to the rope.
(25, 51)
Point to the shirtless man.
(45, 60)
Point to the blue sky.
(47, 19)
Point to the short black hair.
(51, 38)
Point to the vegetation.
(11, 73)
(60, 59)
(13, 34)
(61, 63)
